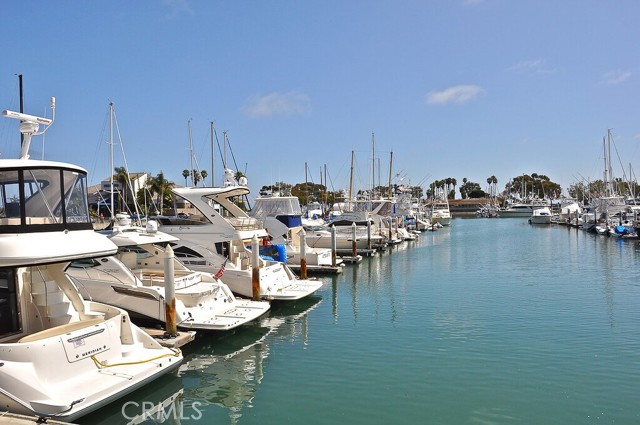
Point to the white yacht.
(134, 280)
(521, 209)
(61, 357)
(541, 216)
(218, 236)
(282, 217)
(374, 228)
(440, 213)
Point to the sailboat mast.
(191, 169)
(390, 168)
(609, 160)
(213, 174)
(325, 194)
(373, 165)
(224, 162)
(351, 178)
(112, 206)
(21, 94)
(306, 187)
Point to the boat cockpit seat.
(61, 330)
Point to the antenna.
(29, 126)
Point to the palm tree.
(162, 188)
(463, 188)
(122, 177)
(494, 180)
(204, 175)
(185, 174)
(196, 177)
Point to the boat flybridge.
(60, 356)
(134, 279)
(219, 234)
(282, 217)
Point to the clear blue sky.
(455, 88)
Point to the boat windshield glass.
(272, 207)
(33, 196)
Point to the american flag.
(220, 272)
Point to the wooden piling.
(170, 293)
(303, 254)
(334, 247)
(354, 244)
(255, 268)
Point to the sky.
(447, 88)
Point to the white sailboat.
(134, 279)
(60, 356)
(217, 235)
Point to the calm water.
(491, 321)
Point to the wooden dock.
(165, 340)
(318, 270)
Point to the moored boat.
(219, 234)
(135, 279)
(60, 356)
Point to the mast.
(213, 175)
(373, 165)
(390, 167)
(111, 160)
(326, 195)
(351, 179)
(191, 169)
(306, 187)
(21, 106)
(611, 183)
(224, 159)
(607, 188)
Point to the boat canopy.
(36, 195)
(275, 206)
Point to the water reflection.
(159, 402)
(225, 371)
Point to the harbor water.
(489, 321)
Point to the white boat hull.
(201, 302)
(70, 354)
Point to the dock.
(165, 340)
(318, 270)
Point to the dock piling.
(303, 254)
(170, 293)
(255, 268)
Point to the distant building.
(466, 207)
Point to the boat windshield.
(271, 207)
(31, 197)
